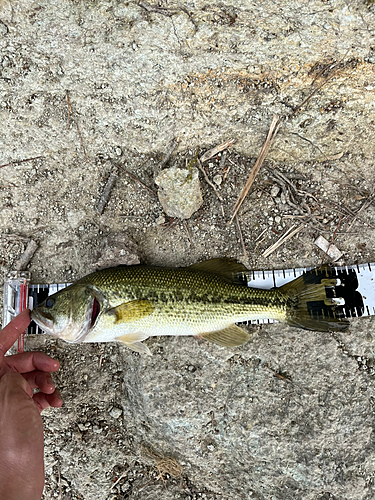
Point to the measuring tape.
(355, 284)
(20, 294)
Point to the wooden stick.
(166, 158)
(274, 128)
(83, 146)
(286, 236)
(21, 263)
(241, 237)
(222, 160)
(106, 192)
(214, 151)
(15, 162)
(134, 177)
(208, 180)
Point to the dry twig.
(285, 237)
(186, 230)
(27, 255)
(274, 128)
(332, 240)
(364, 206)
(166, 158)
(214, 151)
(241, 237)
(70, 111)
(208, 180)
(335, 67)
(16, 162)
(83, 146)
(134, 177)
(222, 160)
(106, 192)
(167, 11)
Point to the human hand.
(21, 427)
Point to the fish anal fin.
(231, 336)
(139, 347)
(131, 311)
(133, 342)
(226, 268)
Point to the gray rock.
(115, 412)
(179, 191)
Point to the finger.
(11, 332)
(55, 399)
(40, 380)
(17, 384)
(30, 361)
(44, 401)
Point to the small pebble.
(115, 412)
(275, 191)
(3, 28)
(160, 220)
(125, 487)
(218, 180)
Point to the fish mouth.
(43, 321)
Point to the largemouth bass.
(131, 303)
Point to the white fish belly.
(179, 322)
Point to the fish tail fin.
(312, 301)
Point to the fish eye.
(49, 303)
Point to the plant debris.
(22, 262)
(106, 192)
(214, 151)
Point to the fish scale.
(181, 298)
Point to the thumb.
(16, 384)
(11, 332)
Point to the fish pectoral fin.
(131, 311)
(133, 342)
(231, 336)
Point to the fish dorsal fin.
(226, 268)
(231, 336)
(133, 341)
(131, 311)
